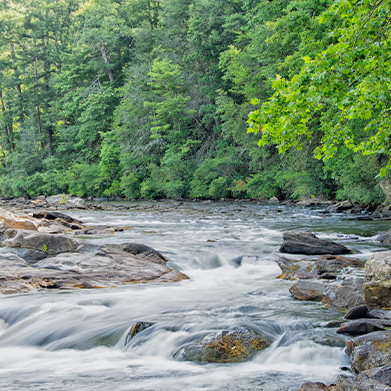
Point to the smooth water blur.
(70, 340)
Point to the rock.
(229, 346)
(293, 269)
(34, 260)
(274, 200)
(349, 383)
(46, 243)
(360, 327)
(340, 207)
(309, 244)
(312, 202)
(51, 215)
(11, 220)
(308, 290)
(357, 312)
(380, 374)
(65, 200)
(377, 286)
(344, 295)
(385, 238)
(370, 351)
(136, 329)
(316, 386)
(144, 251)
(333, 263)
(380, 314)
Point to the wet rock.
(143, 251)
(308, 290)
(377, 286)
(34, 260)
(340, 207)
(274, 200)
(357, 312)
(333, 263)
(344, 295)
(384, 238)
(379, 314)
(137, 328)
(316, 386)
(349, 383)
(370, 351)
(328, 276)
(293, 269)
(360, 327)
(380, 374)
(312, 202)
(308, 244)
(65, 200)
(229, 346)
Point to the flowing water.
(76, 340)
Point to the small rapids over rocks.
(85, 339)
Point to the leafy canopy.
(345, 89)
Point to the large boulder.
(34, 260)
(229, 346)
(308, 290)
(345, 294)
(308, 244)
(370, 351)
(377, 286)
(334, 263)
(360, 383)
(292, 269)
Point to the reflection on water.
(77, 340)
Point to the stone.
(137, 328)
(370, 351)
(340, 207)
(357, 312)
(380, 374)
(332, 263)
(349, 383)
(308, 290)
(308, 244)
(229, 346)
(346, 294)
(274, 200)
(377, 286)
(293, 269)
(316, 386)
(11, 220)
(360, 327)
(36, 261)
(65, 200)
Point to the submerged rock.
(308, 244)
(229, 346)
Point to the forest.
(201, 99)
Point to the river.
(76, 340)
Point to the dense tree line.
(151, 98)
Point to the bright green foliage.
(346, 87)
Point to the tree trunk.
(18, 85)
(106, 61)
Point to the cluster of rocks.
(38, 253)
(367, 298)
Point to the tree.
(345, 88)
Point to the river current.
(76, 340)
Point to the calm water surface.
(75, 340)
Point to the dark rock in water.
(293, 269)
(136, 329)
(144, 251)
(229, 346)
(377, 286)
(370, 351)
(316, 386)
(308, 244)
(360, 311)
(332, 263)
(360, 327)
(349, 383)
(51, 215)
(344, 295)
(340, 207)
(328, 276)
(308, 290)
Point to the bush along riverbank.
(366, 302)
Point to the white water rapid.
(76, 340)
